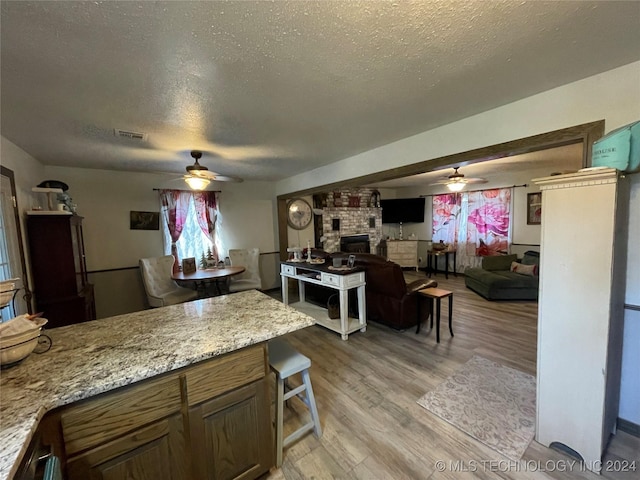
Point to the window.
(476, 223)
(192, 217)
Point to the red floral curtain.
(174, 206)
(206, 204)
(476, 223)
(446, 214)
(489, 222)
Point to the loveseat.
(390, 300)
(499, 277)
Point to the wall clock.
(298, 213)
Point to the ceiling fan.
(198, 176)
(457, 181)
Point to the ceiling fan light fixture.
(196, 183)
(455, 186)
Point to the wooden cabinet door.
(52, 256)
(154, 452)
(79, 259)
(231, 435)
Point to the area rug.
(490, 402)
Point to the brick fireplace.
(348, 214)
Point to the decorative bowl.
(17, 352)
(439, 246)
(18, 346)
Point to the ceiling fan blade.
(202, 174)
(226, 178)
(475, 180)
(213, 176)
(460, 180)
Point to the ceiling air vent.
(142, 137)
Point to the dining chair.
(160, 288)
(250, 278)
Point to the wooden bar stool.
(437, 294)
(285, 361)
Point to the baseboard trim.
(629, 427)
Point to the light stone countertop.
(94, 357)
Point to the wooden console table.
(341, 280)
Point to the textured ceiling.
(271, 89)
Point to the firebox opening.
(355, 244)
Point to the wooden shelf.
(46, 190)
(321, 316)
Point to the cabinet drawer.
(219, 375)
(288, 269)
(111, 415)
(329, 279)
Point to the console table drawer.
(288, 269)
(330, 279)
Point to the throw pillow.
(531, 270)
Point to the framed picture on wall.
(534, 208)
(144, 220)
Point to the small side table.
(437, 294)
(432, 262)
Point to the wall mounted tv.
(401, 210)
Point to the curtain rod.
(477, 190)
(180, 190)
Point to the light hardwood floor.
(367, 387)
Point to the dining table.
(200, 278)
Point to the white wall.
(105, 199)
(612, 95)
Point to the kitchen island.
(94, 358)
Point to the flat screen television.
(401, 210)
